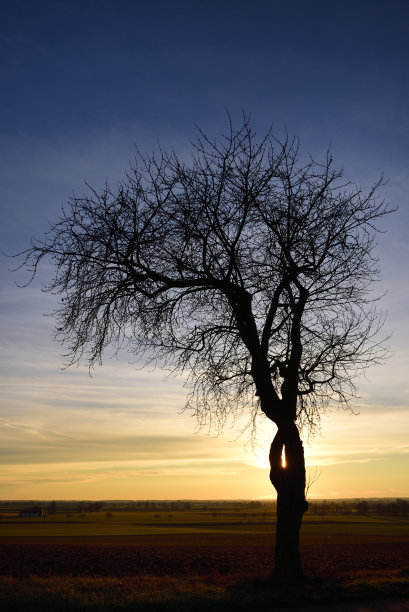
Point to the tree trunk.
(289, 482)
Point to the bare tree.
(246, 267)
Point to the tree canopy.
(248, 266)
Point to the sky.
(84, 84)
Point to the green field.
(346, 528)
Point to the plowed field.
(210, 555)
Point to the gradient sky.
(82, 84)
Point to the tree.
(246, 267)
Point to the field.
(196, 559)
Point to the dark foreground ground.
(373, 605)
(195, 572)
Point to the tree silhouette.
(246, 267)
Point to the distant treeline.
(388, 507)
(382, 507)
(84, 507)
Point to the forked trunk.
(289, 481)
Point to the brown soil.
(211, 555)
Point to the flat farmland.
(137, 523)
(316, 530)
(193, 560)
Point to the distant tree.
(402, 506)
(362, 507)
(246, 267)
(95, 506)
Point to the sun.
(262, 461)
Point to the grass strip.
(185, 594)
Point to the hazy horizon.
(188, 499)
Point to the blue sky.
(86, 82)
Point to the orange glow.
(283, 462)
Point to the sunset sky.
(83, 83)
